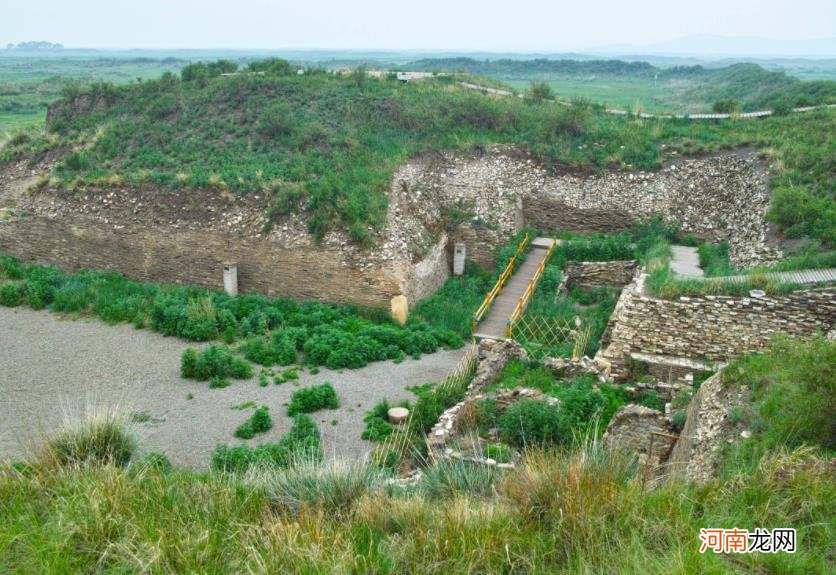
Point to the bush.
(378, 427)
(11, 295)
(259, 422)
(188, 364)
(218, 382)
(531, 422)
(727, 106)
(213, 362)
(652, 400)
(11, 268)
(301, 443)
(314, 398)
(499, 452)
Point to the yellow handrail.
(509, 270)
(522, 303)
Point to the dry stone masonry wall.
(713, 328)
(597, 274)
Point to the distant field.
(28, 83)
(625, 93)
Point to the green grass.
(560, 511)
(663, 282)
(327, 145)
(268, 330)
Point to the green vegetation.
(789, 391)
(212, 363)
(584, 407)
(102, 439)
(326, 145)
(301, 443)
(272, 330)
(313, 398)
(640, 86)
(564, 511)
(258, 422)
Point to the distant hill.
(708, 45)
(680, 87)
(35, 45)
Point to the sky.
(464, 25)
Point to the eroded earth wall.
(482, 198)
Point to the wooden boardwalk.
(494, 324)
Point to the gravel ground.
(53, 370)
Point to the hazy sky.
(494, 25)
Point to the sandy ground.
(53, 370)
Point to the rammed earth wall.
(713, 328)
(196, 257)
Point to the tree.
(539, 91)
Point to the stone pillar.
(231, 278)
(458, 258)
(399, 308)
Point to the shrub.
(301, 443)
(531, 422)
(11, 268)
(99, 440)
(378, 427)
(652, 400)
(11, 295)
(310, 399)
(259, 422)
(188, 364)
(213, 362)
(218, 382)
(40, 290)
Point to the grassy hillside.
(30, 82)
(327, 144)
(87, 503)
(639, 85)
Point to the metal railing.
(500, 283)
(529, 291)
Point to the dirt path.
(53, 368)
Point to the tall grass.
(557, 512)
(101, 437)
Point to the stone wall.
(632, 428)
(595, 274)
(484, 197)
(707, 427)
(713, 328)
(715, 197)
